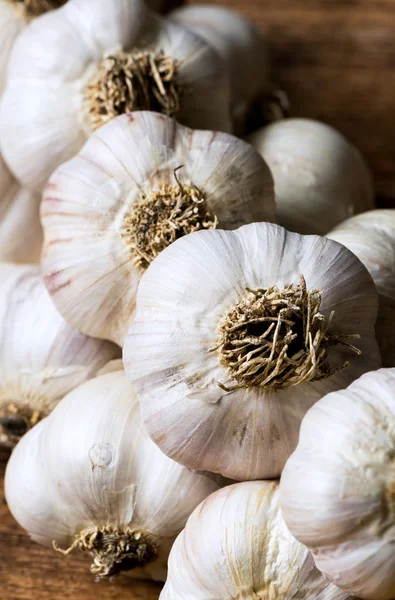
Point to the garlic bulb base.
(158, 220)
(277, 338)
(113, 550)
(34, 8)
(15, 420)
(129, 81)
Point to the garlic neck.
(277, 338)
(160, 218)
(15, 420)
(114, 550)
(34, 8)
(129, 81)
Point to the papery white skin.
(236, 546)
(87, 264)
(20, 229)
(320, 178)
(185, 293)
(43, 121)
(338, 487)
(91, 464)
(41, 357)
(371, 237)
(12, 22)
(241, 45)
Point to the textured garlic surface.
(337, 488)
(41, 357)
(74, 68)
(320, 178)
(88, 478)
(236, 546)
(371, 237)
(237, 334)
(141, 182)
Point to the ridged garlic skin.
(88, 266)
(20, 229)
(236, 546)
(90, 464)
(44, 121)
(239, 42)
(337, 489)
(11, 24)
(250, 432)
(41, 357)
(371, 237)
(320, 178)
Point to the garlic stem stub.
(89, 478)
(121, 58)
(320, 178)
(371, 237)
(337, 488)
(41, 357)
(237, 334)
(141, 182)
(236, 545)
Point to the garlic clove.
(197, 403)
(99, 237)
(92, 468)
(11, 24)
(320, 178)
(41, 357)
(55, 108)
(371, 237)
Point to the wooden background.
(336, 60)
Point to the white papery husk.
(89, 268)
(240, 43)
(41, 357)
(371, 237)
(90, 464)
(43, 118)
(236, 546)
(186, 292)
(337, 489)
(320, 178)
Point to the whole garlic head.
(138, 184)
(320, 178)
(237, 334)
(41, 357)
(74, 69)
(371, 237)
(20, 228)
(88, 477)
(236, 546)
(338, 487)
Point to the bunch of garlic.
(236, 545)
(41, 357)
(338, 488)
(109, 57)
(140, 182)
(88, 477)
(237, 334)
(371, 237)
(320, 178)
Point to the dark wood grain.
(336, 60)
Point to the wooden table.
(336, 59)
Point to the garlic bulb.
(371, 237)
(74, 69)
(20, 228)
(236, 545)
(88, 477)
(41, 357)
(240, 43)
(320, 178)
(14, 16)
(236, 334)
(138, 184)
(337, 489)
